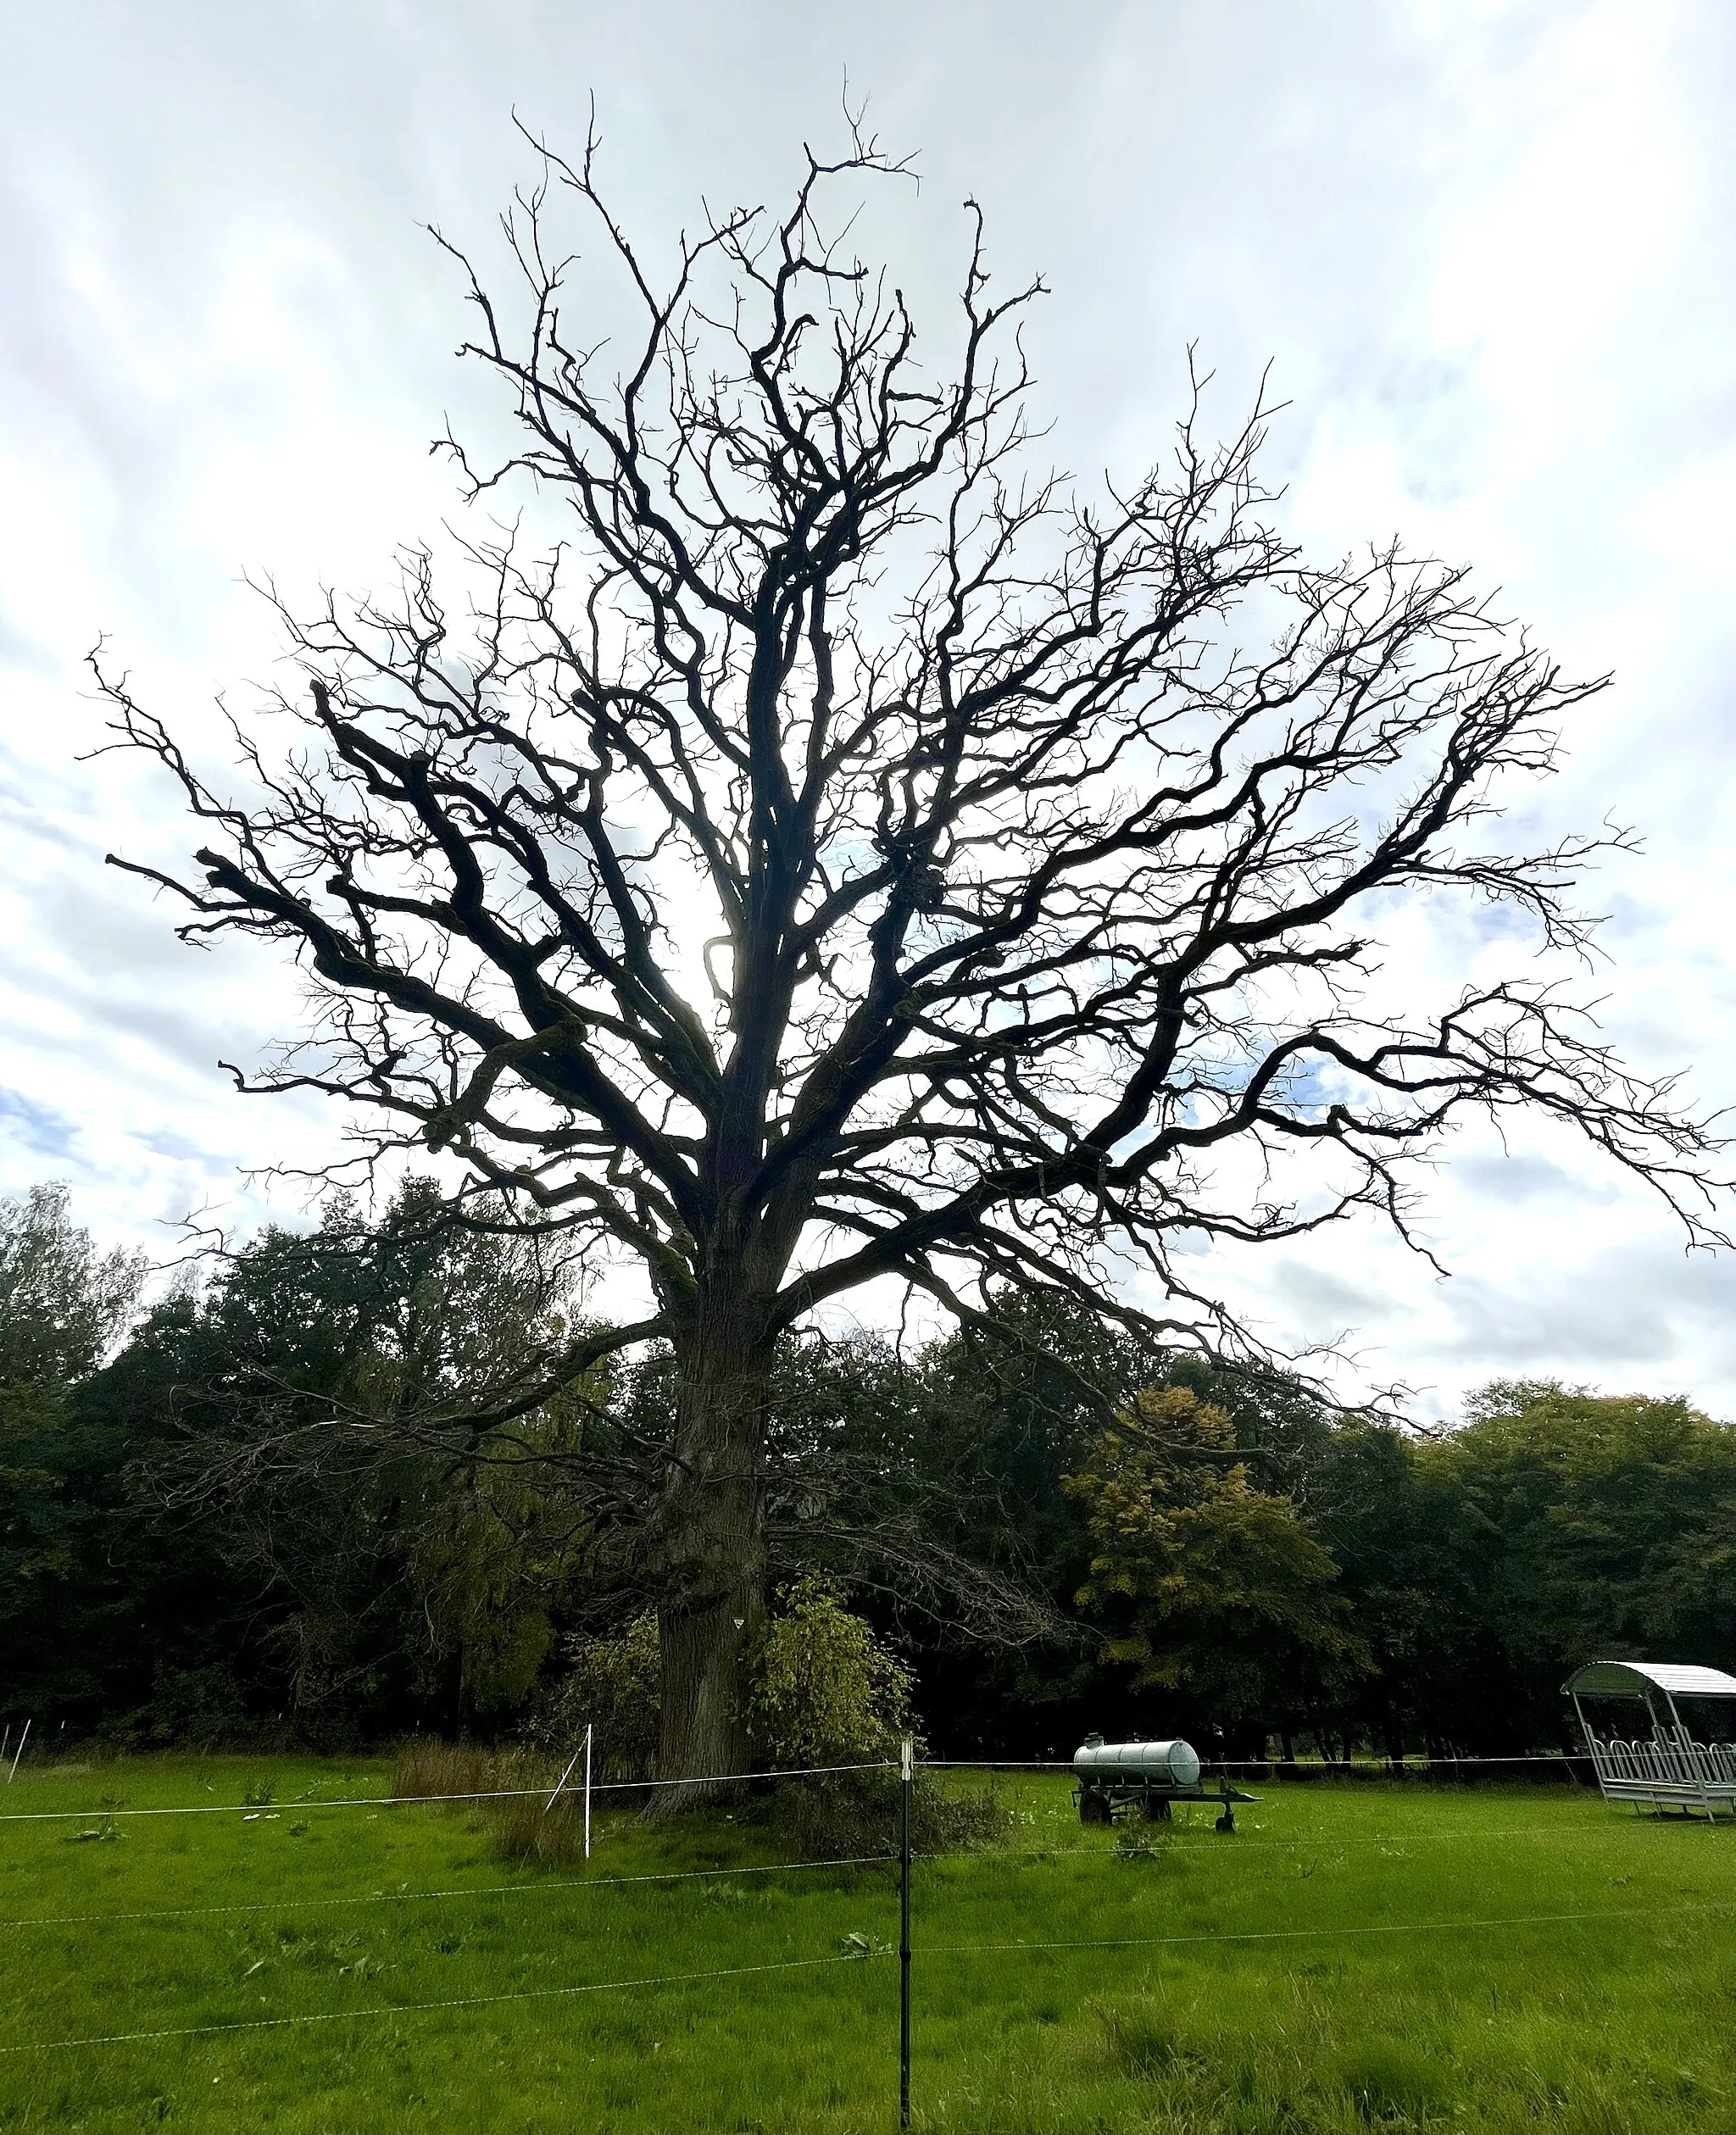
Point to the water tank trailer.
(1143, 1778)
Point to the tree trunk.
(709, 1552)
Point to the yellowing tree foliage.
(1217, 1584)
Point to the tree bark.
(710, 1550)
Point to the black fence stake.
(907, 1773)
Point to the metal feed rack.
(1142, 1779)
(1671, 1770)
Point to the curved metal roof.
(1633, 1678)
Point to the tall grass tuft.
(427, 1769)
(529, 1829)
(1391, 2078)
(522, 1827)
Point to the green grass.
(1312, 1972)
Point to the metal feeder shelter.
(1142, 1779)
(1670, 1769)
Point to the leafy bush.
(821, 1688)
(854, 1814)
(614, 1686)
(201, 1708)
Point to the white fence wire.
(423, 1801)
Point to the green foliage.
(954, 1454)
(820, 1689)
(225, 1529)
(823, 1689)
(1210, 1581)
(203, 1707)
(62, 1302)
(392, 1573)
(613, 1684)
(499, 1551)
(1586, 1525)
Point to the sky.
(1485, 249)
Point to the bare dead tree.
(853, 855)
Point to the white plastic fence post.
(588, 1790)
(22, 1740)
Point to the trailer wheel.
(1094, 1808)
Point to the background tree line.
(209, 1528)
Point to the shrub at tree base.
(818, 1688)
(847, 1815)
(613, 1686)
(824, 1691)
(821, 1688)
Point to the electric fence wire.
(808, 1964)
(251, 1809)
(1085, 1855)
(1317, 1934)
(717, 1779)
(1317, 1842)
(1418, 1767)
(472, 1890)
(414, 2008)
(1387, 1766)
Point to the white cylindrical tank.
(1160, 1763)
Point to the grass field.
(1354, 1956)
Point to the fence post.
(22, 1740)
(588, 1790)
(907, 1775)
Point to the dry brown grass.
(523, 1826)
(425, 1769)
